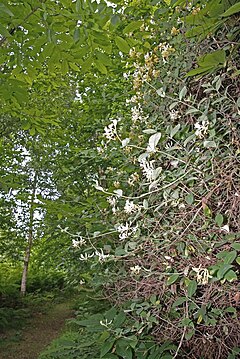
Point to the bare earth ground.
(37, 334)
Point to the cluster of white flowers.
(110, 131)
(202, 275)
(101, 256)
(130, 207)
(165, 50)
(148, 169)
(173, 115)
(134, 177)
(161, 92)
(77, 243)
(201, 128)
(125, 230)
(136, 269)
(105, 323)
(137, 114)
(112, 201)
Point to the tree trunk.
(30, 238)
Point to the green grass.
(77, 342)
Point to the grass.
(31, 335)
(48, 332)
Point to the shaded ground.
(37, 334)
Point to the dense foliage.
(120, 168)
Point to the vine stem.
(183, 335)
(148, 193)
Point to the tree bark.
(30, 238)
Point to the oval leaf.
(122, 44)
(173, 278)
(191, 288)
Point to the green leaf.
(26, 125)
(3, 31)
(106, 347)
(134, 25)
(5, 9)
(230, 276)
(74, 66)
(189, 198)
(104, 336)
(172, 279)
(122, 44)
(110, 314)
(189, 333)
(199, 71)
(125, 352)
(209, 144)
(182, 93)
(175, 130)
(228, 257)
(219, 219)
(149, 131)
(115, 19)
(102, 68)
(212, 59)
(223, 270)
(105, 59)
(232, 10)
(153, 141)
(64, 67)
(191, 288)
(179, 301)
(32, 131)
(120, 319)
(207, 211)
(76, 34)
(87, 64)
(133, 340)
(236, 246)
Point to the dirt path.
(38, 333)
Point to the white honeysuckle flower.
(125, 230)
(134, 177)
(97, 186)
(110, 131)
(130, 207)
(86, 256)
(201, 128)
(136, 269)
(101, 256)
(76, 243)
(202, 275)
(161, 92)
(112, 201)
(148, 170)
(105, 323)
(173, 115)
(225, 228)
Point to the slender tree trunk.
(30, 238)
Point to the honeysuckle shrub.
(172, 243)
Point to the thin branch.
(13, 30)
